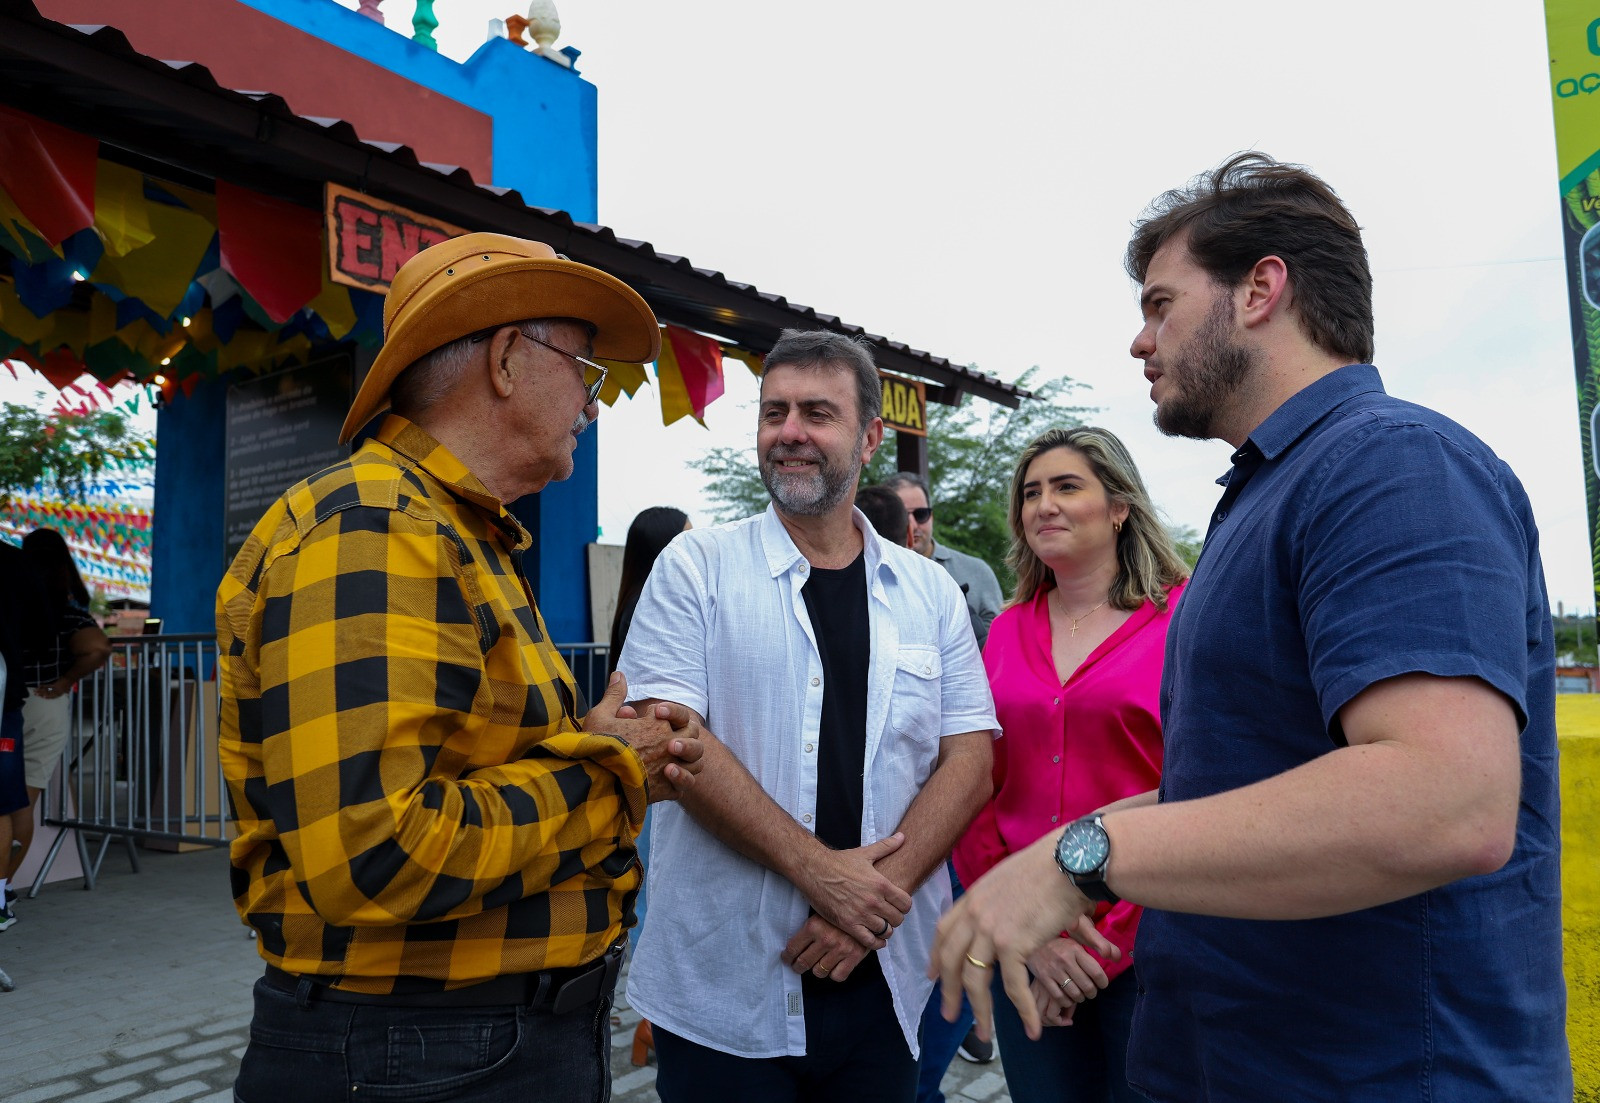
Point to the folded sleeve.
(664, 657)
(1419, 565)
(966, 704)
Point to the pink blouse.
(1068, 749)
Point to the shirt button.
(1055, 758)
(816, 681)
(1221, 516)
(1058, 700)
(927, 670)
(1053, 819)
(808, 748)
(806, 817)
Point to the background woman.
(648, 536)
(1075, 665)
(652, 530)
(24, 629)
(75, 648)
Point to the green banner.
(1573, 27)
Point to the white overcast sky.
(961, 177)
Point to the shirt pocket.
(915, 709)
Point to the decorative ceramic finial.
(369, 8)
(544, 24)
(544, 27)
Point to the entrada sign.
(905, 404)
(368, 239)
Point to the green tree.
(1575, 640)
(1187, 541)
(972, 449)
(63, 450)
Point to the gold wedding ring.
(979, 964)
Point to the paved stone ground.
(140, 991)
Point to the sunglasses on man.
(922, 514)
(594, 375)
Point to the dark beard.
(1207, 375)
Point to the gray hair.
(909, 478)
(430, 377)
(821, 348)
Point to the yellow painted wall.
(1578, 724)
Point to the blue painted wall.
(545, 147)
(568, 520)
(187, 538)
(544, 115)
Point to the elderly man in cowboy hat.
(435, 845)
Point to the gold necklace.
(1077, 620)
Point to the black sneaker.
(11, 896)
(975, 1049)
(7, 917)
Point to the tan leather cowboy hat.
(478, 281)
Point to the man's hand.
(667, 742)
(846, 889)
(825, 950)
(1018, 906)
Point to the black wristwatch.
(1082, 853)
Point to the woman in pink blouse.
(1075, 665)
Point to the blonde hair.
(1147, 563)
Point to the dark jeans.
(855, 1050)
(1086, 1062)
(326, 1052)
(13, 784)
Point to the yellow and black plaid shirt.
(417, 806)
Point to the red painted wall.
(248, 50)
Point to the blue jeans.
(1086, 1062)
(940, 1039)
(323, 1052)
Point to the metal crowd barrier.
(587, 661)
(140, 765)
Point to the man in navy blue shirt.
(1352, 869)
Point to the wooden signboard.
(368, 239)
(905, 405)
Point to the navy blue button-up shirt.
(1359, 538)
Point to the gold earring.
(1116, 526)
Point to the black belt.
(555, 990)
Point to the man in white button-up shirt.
(792, 907)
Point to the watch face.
(1083, 847)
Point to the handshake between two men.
(856, 907)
